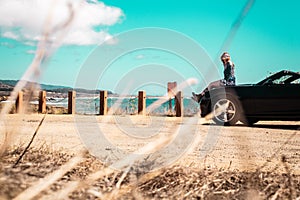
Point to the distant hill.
(5, 87)
(12, 83)
(8, 85)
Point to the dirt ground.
(227, 157)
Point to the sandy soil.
(205, 145)
(188, 158)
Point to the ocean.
(127, 105)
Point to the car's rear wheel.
(226, 110)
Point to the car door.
(277, 100)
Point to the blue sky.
(267, 40)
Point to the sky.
(267, 40)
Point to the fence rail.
(102, 99)
(103, 108)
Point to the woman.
(229, 78)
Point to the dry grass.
(45, 174)
(175, 182)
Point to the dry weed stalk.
(45, 49)
(117, 193)
(44, 183)
(29, 144)
(288, 172)
(125, 164)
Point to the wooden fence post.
(172, 90)
(19, 102)
(179, 104)
(142, 103)
(103, 103)
(42, 102)
(71, 102)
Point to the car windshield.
(297, 81)
(282, 77)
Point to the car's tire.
(226, 110)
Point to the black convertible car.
(274, 98)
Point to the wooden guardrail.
(172, 94)
(71, 102)
(103, 103)
(42, 102)
(179, 104)
(142, 103)
(19, 102)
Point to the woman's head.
(225, 57)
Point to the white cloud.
(10, 35)
(24, 20)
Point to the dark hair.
(225, 54)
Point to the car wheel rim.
(224, 110)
